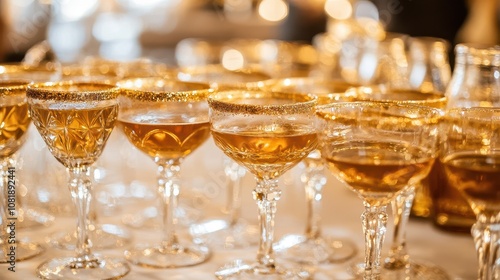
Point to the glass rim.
(324, 111)
(199, 92)
(10, 87)
(440, 97)
(15, 68)
(186, 73)
(299, 103)
(67, 91)
(277, 84)
(461, 113)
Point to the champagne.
(14, 122)
(267, 155)
(164, 137)
(477, 177)
(75, 135)
(377, 170)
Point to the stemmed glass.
(75, 121)
(313, 246)
(378, 149)
(231, 231)
(14, 121)
(167, 120)
(470, 154)
(268, 133)
(398, 257)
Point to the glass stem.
(266, 194)
(314, 179)
(401, 207)
(486, 233)
(169, 187)
(234, 173)
(374, 226)
(3, 202)
(80, 187)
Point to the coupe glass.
(75, 121)
(268, 133)
(398, 259)
(470, 154)
(378, 149)
(14, 121)
(167, 120)
(312, 246)
(231, 231)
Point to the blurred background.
(129, 29)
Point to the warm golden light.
(273, 10)
(338, 9)
(232, 59)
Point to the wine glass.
(30, 217)
(313, 246)
(14, 122)
(268, 133)
(398, 257)
(75, 121)
(231, 231)
(378, 149)
(167, 120)
(470, 155)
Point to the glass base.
(72, 268)
(241, 270)
(23, 251)
(415, 270)
(149, 218)
(300, 249)
(29, 218)
(105, 236)
(221, 234)
(163, 257)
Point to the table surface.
(126, 169)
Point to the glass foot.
(241, 270)
(150, 217)
(31, 218)
(164, 257)
(415, 270)
(300, 249)
(105, 236)
(73, 268)
(223, 235)
(23, 251)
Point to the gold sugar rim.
(213, 69)
(300, 103)
(13, 87)
(199, 91)
(459, 113)
(324, 111)
(20, 68)
(67, 91)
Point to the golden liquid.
(163, 137)
(477, 177)
(75, 137)
(377, 170)
(267, 154)
(14, 122)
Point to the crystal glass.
(30, 214)
(398, 258)
(268, 133)
(313, 246)
(231, 231)
(470, 155)
(14, 122)
(167, 120)
(75, 121)
(378, 149)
